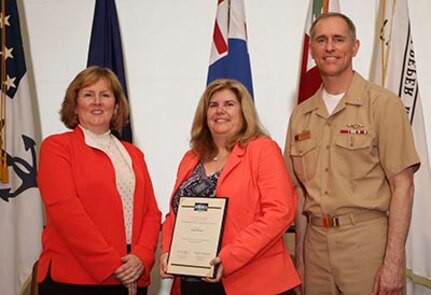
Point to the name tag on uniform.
(305, 134)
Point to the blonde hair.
(201, 140)
(88, 77)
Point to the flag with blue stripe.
(229, 52)
(21, 210)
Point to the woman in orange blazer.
(102, 217)
(232, 157)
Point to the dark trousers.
(50, 287)
(201, 288)
(204, 288)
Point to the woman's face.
(96, 106)
(224, 115)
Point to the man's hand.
(299, 290)
(389, 280)
(390, 277)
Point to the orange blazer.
(262, 204)
(84, 238)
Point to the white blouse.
(124, 174)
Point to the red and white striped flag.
(394, 67)
(310, 77)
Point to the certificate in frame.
(197, 234)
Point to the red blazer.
(84, 237)
(262, 205)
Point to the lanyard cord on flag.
(4, 177)
(320, 7)
(325, 6)
(385, 43)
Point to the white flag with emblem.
(21, 211)
(395, 69)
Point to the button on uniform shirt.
(124, 175)
(344, 160)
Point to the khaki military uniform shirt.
(344, 160)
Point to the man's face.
(332, 47)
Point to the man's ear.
(356, 45)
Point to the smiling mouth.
(220, 120)
(330, 58)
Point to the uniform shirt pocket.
(354, 155)
(304, 159)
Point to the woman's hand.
(132, 288)
(219, 273)
(130, 271)
(163, 266)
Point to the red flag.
(310, 77)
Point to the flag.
(106, 49)
(229, 54)
(310, 79)
(394, 67)
(21, 210)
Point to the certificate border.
(214, 271)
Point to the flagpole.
(386, 43)
(229, 7)
(4, 177)
(382, 41)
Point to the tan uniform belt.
(344, 219)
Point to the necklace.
(221, 157)
(216, 158)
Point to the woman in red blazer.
(102, 217)
(232, 157)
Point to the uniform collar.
(353, 96)
(356, 89)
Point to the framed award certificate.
(197, 236)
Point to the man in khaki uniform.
(350, 150)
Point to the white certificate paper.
(197, 236)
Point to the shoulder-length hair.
(86, 78)
(201, 140)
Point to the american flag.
(21, 212)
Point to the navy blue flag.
(229, 53)
(106, 49)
